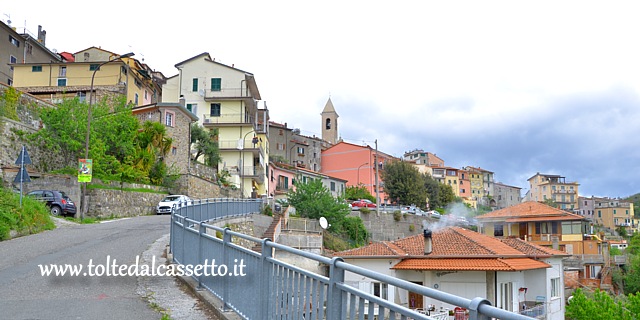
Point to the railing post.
(226, 239)
(335, 295)
(265, 292)
(171, 235)
(475, 304)
(200, 249)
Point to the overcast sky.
(515, 87)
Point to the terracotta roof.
(532, 249)
(447, 242)
(514, 264)
(530, 210)
(456, 248)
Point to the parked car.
(363, 203)
(166, 204)
(57, 201)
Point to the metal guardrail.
(281, 290)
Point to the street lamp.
(86, 142)
(241, 171)
(364, 164)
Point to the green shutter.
(195, 85)
(216, 84)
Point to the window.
(506, 296)
(62, 72)
(146, 95)
(380, 290)
(36, 69)
(194, 85)
(300, 150)
(215, 110)
(93, 67)
(168, 118)
(14, 41)
(136, 98)
(29, 48)
(192, 107)
(333, 186)
(498, 230)
(216, 84)
(280, 146)
(62, 82)
(569, 227)
(12, 59)
(82, 96)
(280, 132)
(328, 124)
(555, 287)
(174, 150)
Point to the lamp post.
(364, 164)
(240, 147)
(86, 142)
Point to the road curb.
(214, 303)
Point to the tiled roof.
(532, 249)
(529, 210)
(456, 248)
(514, 264)
(446, 242)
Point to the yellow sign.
(85, 168)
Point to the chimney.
(182, 100)
(428, 244)
(42, 35)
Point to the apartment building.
(611, 213)
(227, 100)
(421, 157)
(482, 185)
(287, 145)
(92, 68)
(283, 176)
(506, 195)
(22, 46)
(553, 187)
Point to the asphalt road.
(26, 294)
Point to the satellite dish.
(323, 223)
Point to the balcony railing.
(228, 118)
(227, 93)
(226, 145)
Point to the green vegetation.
(406, 185)
(105, 187)
(32, 217)
(121, 148)
(358, 192)
(205, 143)
(313, 200)
(601, 306)
(9, 98)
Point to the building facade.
(226, 100)
(551, 187)
(421, 157)
(506, 195)
(20, 46)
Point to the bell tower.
(329, 123)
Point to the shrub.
(365, 210)
(412, 228)
(397, 215)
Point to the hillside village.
(261, 158)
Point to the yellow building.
(226, 99)
(56, 81)
(614, 214)
(451, 178)
(545, 187)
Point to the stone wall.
(383, 227)
(199, 188)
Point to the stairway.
(269, 233)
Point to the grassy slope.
(32, 217)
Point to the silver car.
(166, 205)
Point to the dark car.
(57, 201)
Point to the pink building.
(356, 165)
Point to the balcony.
(563, 191)
(233, 145)
(228, 94)
(228, 119)
(579, 260)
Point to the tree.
(403, 181)
(313, 200)
(601, 306)
(550, 202)
(206, 144)
(358, 192)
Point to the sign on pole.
(85, 168)
(23, 158)
(22, 176)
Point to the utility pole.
(377, 187)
